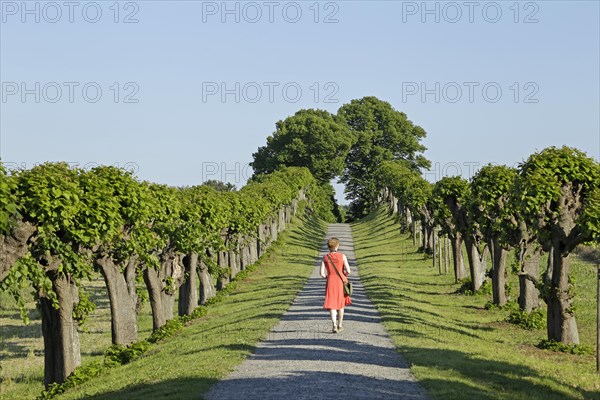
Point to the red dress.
(334, 289)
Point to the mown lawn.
(184, 366)
(456, 348)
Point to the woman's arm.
(323, 272)
(346, 266)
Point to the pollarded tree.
(490, 192)
(212, 213)
(449, 198)
(381, 134)
(314, 139)
(518, 232)
(193, 238)
(559, 195)
(51, 199)
(127, 218)
(163, 269)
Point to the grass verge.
(456, 348)
(187, 364)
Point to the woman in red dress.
(335, 300)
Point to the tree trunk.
(281, 220)
(475, 264)
(433, 248)
(457, 258)
(414, 232)
(234, 263)
(171, 267)
(207, 288)
(253, 250)
(123, 315)
(274, 229)
(529, 295)
(562, 326)
(408, 218)
(498, 273)
(440, 251)
(446, 254)
(261, 240)
(429, 239)
(188, 295)
(153, 283)
(61, 339)
(223, 263)
(130, 278)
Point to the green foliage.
(527, 320)
(8, 202)
(381, 134)
(565, 348)
(121, 355)
(20, 279)
(449, 199)
(323, 201)
(491, 187)
(314, 139)
(466, 285)
(406, 183)
(560, 185)
(220, 186)
(50, 197)
(83, 308)
(80, 375)
(169, 329)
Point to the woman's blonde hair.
(333, 243)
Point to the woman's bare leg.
(334, 319)
(340, 319)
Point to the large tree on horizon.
(310, 138)
(381, 134)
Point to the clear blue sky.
(441, 63)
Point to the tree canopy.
(381, 134)
(310, 138)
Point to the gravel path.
(302, 359)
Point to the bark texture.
(499, 255)
(188, 294)
(123, 315)
(61, 339)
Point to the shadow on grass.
(455, 372)
(180, 388)
(490, 379)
